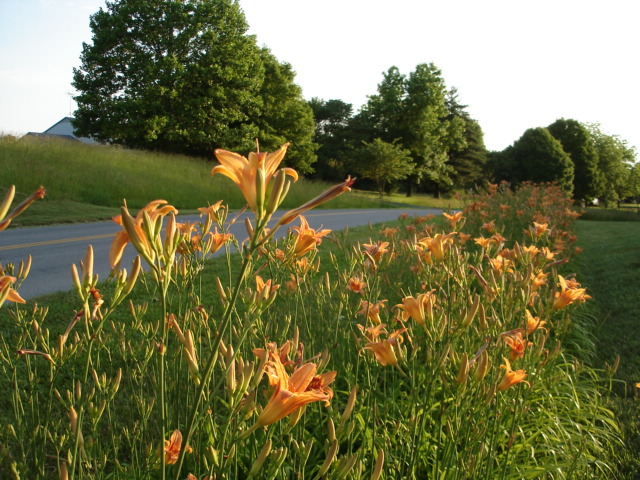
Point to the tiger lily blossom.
(134, 231)
(511, 377)
(244, 172)
(172, 448)
(569, 293)
(307, 238)
(7, 292)
(419, 308)
(295, 391)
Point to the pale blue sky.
(517, 64)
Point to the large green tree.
(469, 159)
(332, 134)
(588, 181)
(616, 162)
(184, 76)
(284, 116)
(384, 163)
(411, 111)
(538, 157)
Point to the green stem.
(213, 357)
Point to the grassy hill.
(88, 182)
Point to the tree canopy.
(616, 162)
(184, 76)
(540, 158)
(588, 181)
(412, 112)
(384, 163)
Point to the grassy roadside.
(610, 268)
(86, 183)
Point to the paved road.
(54, 249)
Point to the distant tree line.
(184, 76)
(586, 162)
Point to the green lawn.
(610, 269)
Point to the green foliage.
(332, 118)
(384, 163)
(284, 116)
(184, 77)
(615, 161)
(538, 157)
(588, 181)
(469, 164)
(413, 112)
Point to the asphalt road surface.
(55, 248)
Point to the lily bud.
(264, 453)
(277, 188)
(463, 372)
(260, 190)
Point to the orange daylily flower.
(388, 232)
(569, 293)
(517, 344)
(215, 240)
(539, 229)
(511, 377)
(307, 238)
(453, 219)
(272, 348)
(172, 448)
(496, 237)
(384, 351)
(243, 171)
(501, 264)
(376, 250)
(483, 242)
(420, 308)
(6, 289)
(437, 245)
(463, 237)
(265, 291)
(489, 226)
(371, 310)
(211, 211)
(571, 213)
(356, 285)
(292, 393)
(372, 333)
(534, 323)
(133, 231)
(538, 280)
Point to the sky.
(516, 64)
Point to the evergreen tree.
(333, 136)
(469, 164)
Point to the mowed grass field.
(86, 183)
(610, 268)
